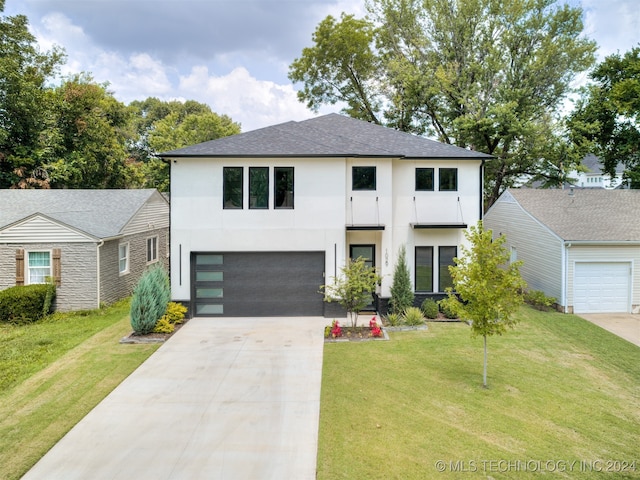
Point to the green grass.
(53, 373)
(560, 389)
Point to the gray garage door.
(263, 284)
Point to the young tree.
(353, 288)
(489, 75)
(488, 289)
(401, 292)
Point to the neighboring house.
(260, 220)
(593, 177)
(95, 244)
(581, 246)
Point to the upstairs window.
(232, 187)
(258, 187)
(424, 179)
(363, 178)
(448, 179)
(283, 187)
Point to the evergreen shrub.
(430, 308)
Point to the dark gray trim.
(364, 227)
(420, 226)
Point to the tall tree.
(24, 103)
(488, 289)
(489, 75)
(607, 117)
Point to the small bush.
(446, 311)
(26, 303)
(413, 316)
(539, 300)
(392, 319)
(430, 308)
(164, 326)
(175, 313)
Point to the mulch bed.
(152, 337)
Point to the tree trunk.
(484, 372)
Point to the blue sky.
(231, 54)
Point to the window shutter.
(20, 267)
(57, 270)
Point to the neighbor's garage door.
(601, 287)
(258, 284)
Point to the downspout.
(565, 277)
(481, 196)
(100, 244)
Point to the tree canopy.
(488, 75)
(606, 120)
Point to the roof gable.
(98, 213)
(324, 136)
(38, 228)
(583, 214)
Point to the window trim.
(432, 179)
(224, 189)
(28, 267)
(455, 189)
(354, 176)
(126, 258)
(275, 188)
(153, 250)
(416, 268)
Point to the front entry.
(368, 253)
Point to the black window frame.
(232, 196)
(280, 199)
(444, 267)
(361, 180)
(422, 170)
(445, 187)
(258, 200)
(417, 269)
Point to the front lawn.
(53, 373)
(563, 401)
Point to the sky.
(233, 55)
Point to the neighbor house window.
(424, 179)
(363, 178)
(258, 187)
(232, 187)
(38, 267)
(283, 187)
(446, 256)
(123, 258)
(448, 179)
(152, 249)
(424, 269)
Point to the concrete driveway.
(228, 398)
(625, 325)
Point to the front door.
(368, 253)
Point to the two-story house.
(261, 219)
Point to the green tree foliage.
(24, 98)
(606, 120)
(353, 288)
(488, 289)
(150, 299)
(401, 292)
(489, 75)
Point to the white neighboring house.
(581, 246)
(593, 177)
(261, 219)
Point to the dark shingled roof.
(330, 135)
(100, 213)
(584, 214)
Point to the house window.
(446, 256)
(232, 187)
(123, 258)
(424, 269)
(258, 187)
(424, 179)
(152, 249)
(38, 267)
(448, 179)
(363, 178)
(283, 187)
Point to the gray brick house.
(95, 244)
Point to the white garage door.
(601, 287)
